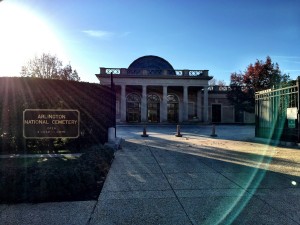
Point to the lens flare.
(24, 34)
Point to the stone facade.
(151, 91)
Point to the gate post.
(113, 104)
(298, 106)
(257, 133)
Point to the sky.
(222, 36)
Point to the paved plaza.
(194, 179)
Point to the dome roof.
(151, 62)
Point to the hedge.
(53, 180)
(93, 101)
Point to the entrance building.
(150, 90)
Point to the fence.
(271, 110)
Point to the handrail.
(141, 71)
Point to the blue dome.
(151, 62)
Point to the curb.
(115, 144)
(278, 143)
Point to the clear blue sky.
(221, 36)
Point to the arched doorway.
(216, 113)
(173, 108)
(133, 108)
(153, 105)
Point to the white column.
(205, 105)
(144, 104)
(185, 104)
(199, 105)
(164, 108)
(123, 103)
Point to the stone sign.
(51, 123)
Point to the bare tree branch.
(48, 66)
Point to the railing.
(217, 88)
(111, 70)
(271, 93)
(271, 108)
(123, 71)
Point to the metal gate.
(271, 108)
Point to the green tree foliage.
(259, 76)
(48, 66)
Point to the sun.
(24, 34)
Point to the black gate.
(271, 109)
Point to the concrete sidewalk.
(54, 213)
(166, 180)
(195, 179)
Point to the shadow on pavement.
(209, 181)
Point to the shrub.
(56, 179)
(93, 101)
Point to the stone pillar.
(205, 105)
(123, 71)
(199, 105)
(164, 107)
(144, 104)
(102, 70)
(185, 72)
(111, 134)
(185, 104)
(123, 103)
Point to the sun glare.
(24, 34)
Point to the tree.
(264, 75)
(241, 97)
(48, 66)
(68, 74)
(260, 76)
(215, 82)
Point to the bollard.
(111, 135)
(144, 132)
(213, 131)
(178, 132)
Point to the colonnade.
(164, 104)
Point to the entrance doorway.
(153, 105)
(216, 113)
(173, 108)
(133, 108)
